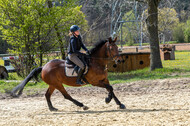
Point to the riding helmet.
(74, 28)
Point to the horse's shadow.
(114, 111)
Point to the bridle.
(111, 55)
(108, 53)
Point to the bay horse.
(53, 73)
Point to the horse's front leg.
(112, 95)
(109, 98)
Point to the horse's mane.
(97, 46)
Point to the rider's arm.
(82, 45)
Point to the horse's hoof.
(107, 100)
(14, 95)
(122, 106)
(85, 108)
(53, 109)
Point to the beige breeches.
(73, 57)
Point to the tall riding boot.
(80, 73)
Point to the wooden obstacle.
(132, 61)
(167, 52)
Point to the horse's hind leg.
(48, 95)
(67, 96)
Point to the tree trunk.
(60, 43)
(152, 25)
(50, 5)
(41, 56)
(40, 48)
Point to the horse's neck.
(100, 57)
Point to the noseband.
(109, 51)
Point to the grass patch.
(6, 86)
(145, 44)
(172, 69)
(135, 44)
(14, 76)
(170, 42)
(146, 74)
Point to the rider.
(74, 50)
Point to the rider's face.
(77, 32)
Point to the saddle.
(71, 69)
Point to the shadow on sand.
(113, 111)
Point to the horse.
(53, 73)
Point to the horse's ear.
(115, 39)
(110, 39)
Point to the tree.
(182, 7)
(71, 14)
(167, 20)
(130, 28)
(178, 33)
(187, 31)
(29, 26)
(100, 17)
(152, 25)
(3, 45)
(26, 26)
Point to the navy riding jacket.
(75, 45)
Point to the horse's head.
(112, 50)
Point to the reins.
(108, 51)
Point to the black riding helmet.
(74, 28)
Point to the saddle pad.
(69, 71)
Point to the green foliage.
(14, 76)
(3, 45)
(178, 33)
(182, 7)
(70, 17)
(187, 31)
(25, 25)
(167, 19)
(130, 28)
(32, 28)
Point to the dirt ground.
(150, 103)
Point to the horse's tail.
(19, 88)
